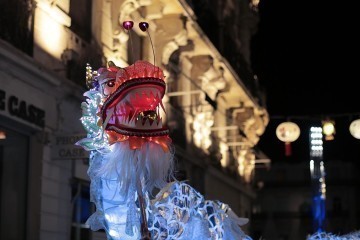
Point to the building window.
(80, 13)
(16, 24)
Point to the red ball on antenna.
(143, 26)
(128, 25)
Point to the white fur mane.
(150, 164)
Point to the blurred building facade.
(215, 109)
(284, 208)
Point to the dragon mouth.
(134, 108)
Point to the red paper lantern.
(288, 132)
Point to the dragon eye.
(110, 83)
(108, 87)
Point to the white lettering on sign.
(68, 140)
(64, 148)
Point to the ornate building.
(215, 109)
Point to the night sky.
(305, 55)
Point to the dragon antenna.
(128, 25)
(144, 27)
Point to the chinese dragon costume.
(132, 156)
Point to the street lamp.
(328, 129)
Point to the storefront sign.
(64, 148)
(19, 108)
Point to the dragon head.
(131, 103)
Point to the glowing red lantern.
(288, 132)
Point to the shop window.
(82, 209)
(13, 184)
